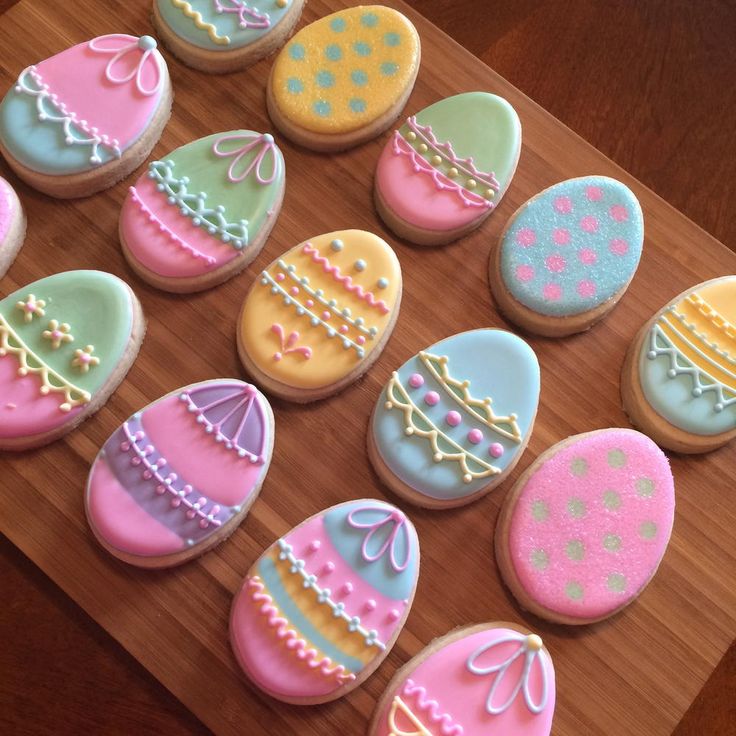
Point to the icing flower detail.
(395, 521)
(254, 19)
(288, 344)
(263, 147)
(57, 333)
(530, 647)
(31, 307)
(83, 359)
(127, 49)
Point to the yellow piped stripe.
(199, 22)
(712, 315)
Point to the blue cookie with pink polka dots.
(573, 247)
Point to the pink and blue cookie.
(454, 420)
(495, 678)
(446, 169)
(568, 255)
(66, 342)
(584, 529)
(80, 121)
(203, 213)
(180, 475)
(323, 606)
(12, 225)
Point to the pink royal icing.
(7, 208)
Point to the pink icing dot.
(344, 329)
(524, 272)
(347, 588)
(563, 205)
(594, 194)
(314, 545)
(360, 339)
(432, 398)
(589, 224)
(561, 236)
(280, 277)
(325, 315)
(619, 247)
(587, 256)
(370, 605)
(526, 237)
(453, 418)
(309, 304)
(328, 567)
(495, 450)
(619, 213)
(555, 264)
(294, 290)
(552, 292)
(416, 380)
(586, 289)
(475, 436)
(393, 615)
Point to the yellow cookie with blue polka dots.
(345, 78)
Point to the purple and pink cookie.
(12, 225)
(583, 530)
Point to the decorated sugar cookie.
(568, 255)
(66, 342)
(345, 78)
(321, 609)
(583, 531)
(678, 381)
(12, 225)
(489, 679)
(178, 477)
(453, 421)
(319, 316)
(220, 36)
(446, 169)
(203, 213)
(80, 121)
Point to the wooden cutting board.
(635, 674)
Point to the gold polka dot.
(282, 3)
(612, 542)
(576, 508)
(471, 184)
(539, 559)
(422, 148)
(575, 549)
(645, 487)
(489, 194)
(452, 172)
(616, 458)
(648, 530)
(611, 500)
(579, 467)
(616, 582)
(411, 136)
(540, 511)
(436, 160)
(574, 590)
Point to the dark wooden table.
(651, 85)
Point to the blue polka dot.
(388, 68)
(359, 77)
(362, 48)
(392, 39)
(325, 79)
(322, 108)
(337, 25)
(294, 85)
(296, 51)
(333, 52)
(357, 104)
(369, 20)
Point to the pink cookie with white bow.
(494, 678)
(322, 607)
(12, 225)
(203, 213)
(80, 121)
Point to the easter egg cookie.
(320, 315)
(12, 225)
(66, 342)
(323, 606)
(454, 420)
(568, 255)
(345, 78)
(179, 476)
(446, 169)
(678, 382)
(82, 120)
(203, 213)
(583, 530)
(219, 36)
(494, 679)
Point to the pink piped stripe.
(346, 281)
(432, 709)
(291, 638)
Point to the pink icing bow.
(120, 45)
(393, 517)
(263, 146)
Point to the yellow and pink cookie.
(180, 475)
(66, 342)
(345, 78)
(583, 530)
(203, 213)
(446, 169)
(495, 678)
(12, 225)
(80, 121)
(678, 381)
(323, 606)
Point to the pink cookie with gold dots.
(584, 529)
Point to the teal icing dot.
(389, 68)
(322, 108)
(337, 25)
(325, 79)
(362, 48)
(333, 52)
(359, 77)
(392, 39)
(294, 85)
(296, 51)
(369, 20)
(357, 104)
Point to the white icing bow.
(141, 55)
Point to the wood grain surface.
(636, 674)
